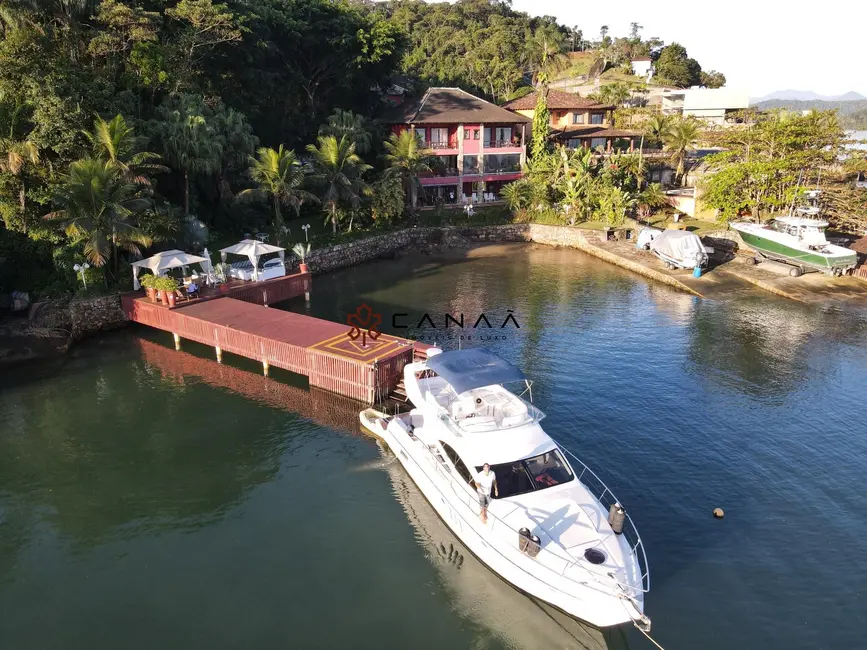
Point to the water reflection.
(480, 596)
(113, 451)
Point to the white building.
(713, 105)
(642, 67)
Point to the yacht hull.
(594, 607)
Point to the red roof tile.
(557, 99)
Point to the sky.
(760, 45)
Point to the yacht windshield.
(531, 474)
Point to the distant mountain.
(852, 112)
(808, 96)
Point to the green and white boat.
(798, 240)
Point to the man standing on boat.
(484, 481)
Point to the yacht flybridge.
(554, 530)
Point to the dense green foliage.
(767, 163)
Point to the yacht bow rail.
(629, 530)
(604, 582)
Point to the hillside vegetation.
(853, 114)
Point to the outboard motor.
(616, 518)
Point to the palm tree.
(98, 204)
(651, 197)
(544, 54)
(190, 142)
(280, 178)
(16, 149)
(238, 143)
(353, 126)
(115, 141)
(682, 138)
(338, 170)
(407, 158)
(657, 128)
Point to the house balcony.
(502, 144)
(440, 145)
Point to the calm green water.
(150, 498)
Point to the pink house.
(479, 146)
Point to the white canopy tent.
(253, 249)
(161, 262)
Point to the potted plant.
(302, 251)
(147, 282)
(169, 287)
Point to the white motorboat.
(555, 530)
(480, 595)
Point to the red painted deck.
(322, 350)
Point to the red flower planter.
(304, 268)
(151, 293)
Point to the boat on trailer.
(798, 239)
(554, 530)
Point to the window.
(471, 164)
(475, 134)
(598, 143)
(468, 134)
(461, 468)
(502, 163)
(597, 118)
(419, 133)
(575, 143)
(439, 137)
(577, 118)
(536, 473)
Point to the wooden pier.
(234, 319)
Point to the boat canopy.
(473, 368)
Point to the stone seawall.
(427, 240)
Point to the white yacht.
(555, 530)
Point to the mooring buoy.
(718, 513)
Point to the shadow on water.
(492, 606)
(125, 447)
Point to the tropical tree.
(544, 54)
(682, 137)
(237, 145)
(657, 128)
(115, 142)
(518, 195)
(338, 171)
(98, 204)
(650, 198)
(190, 141)
(616, 94)
(388, 200)
(353, 126)
(16, 147)
(540, 143)
(280, 179)
(613, 204)
(407, 158)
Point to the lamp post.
(81, 268)
(305, 228)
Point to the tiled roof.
(557, 100)
(592, 131)
(449, 106)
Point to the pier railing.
(574, 570)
